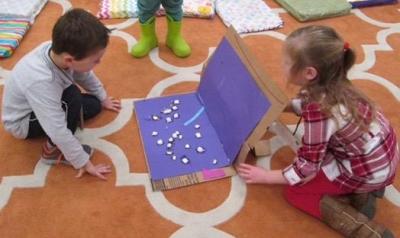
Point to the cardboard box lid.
(238, 96)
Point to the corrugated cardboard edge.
(190, 179)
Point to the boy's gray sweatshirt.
(37, 84)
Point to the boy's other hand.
(95, 170)
(111, 104)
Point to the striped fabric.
(118, 9)
(11, 34)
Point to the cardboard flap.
(237, 94)
(196, 137)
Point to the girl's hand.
(252, 174)
(95, 170)
(111, 104)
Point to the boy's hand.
(95, 170)
(111, 104)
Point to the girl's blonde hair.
(322, 48)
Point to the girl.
(349, 147)
(148, 39)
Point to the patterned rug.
(41, 201)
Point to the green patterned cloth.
(307, 10)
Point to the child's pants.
(72, 101)
(307, 197)
(147, 9)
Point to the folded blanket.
(118, 9)
(27, 9)
(11, 34)
(128, 9)
(368, 3)
(248, 15)
(195, 8)
(307, 10)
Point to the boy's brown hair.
(322, 48)
(79, 34)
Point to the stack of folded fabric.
(11, 33)
(15, 20)
(128, 9)
(26, 9)
(308, 10)
(248, 15)
(196, 8)
(118, 9)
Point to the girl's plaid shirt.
(355, 159)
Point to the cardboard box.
(221, 121)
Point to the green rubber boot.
(174, 39)
(148, 39)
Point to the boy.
(41, 97)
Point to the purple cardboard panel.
(233, 101)
(228, 105)
(368, 3)
(191, 113)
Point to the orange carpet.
(41, 201)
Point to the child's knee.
(72, 96)
(96, 107)
(91, 106)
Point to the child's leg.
(349, 222)
(365, 202)
(175, 40)
(173, 8)
(148, 38)
(91, 106)
(71, 101)
(74, 101)
(147, 9)
(319, 198)
(35, 129)
(307, 197)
